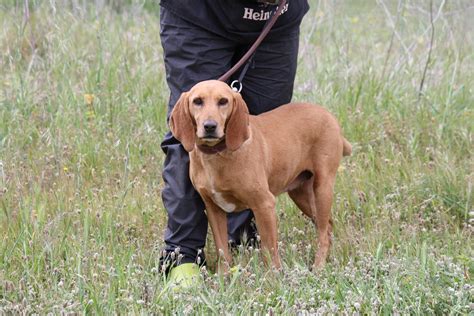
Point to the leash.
(248, 57)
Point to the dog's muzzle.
(210, 127)
(210, 130)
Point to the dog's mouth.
(211, 145)
(210, 140)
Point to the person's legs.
(191, 54)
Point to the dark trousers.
(193, 54)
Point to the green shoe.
(185, 275)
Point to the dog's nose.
(210, 126)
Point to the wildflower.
(89, 98)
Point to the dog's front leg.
(218, 220)
(265, 217)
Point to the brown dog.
(241, 161)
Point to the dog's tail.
(347, 147)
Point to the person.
(201, 40)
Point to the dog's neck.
(212, 150)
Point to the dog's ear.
(237, 129)
(181, 124)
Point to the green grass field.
(82, 112)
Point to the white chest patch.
(222, 203)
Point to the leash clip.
(234, 87)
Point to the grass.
(82, 112)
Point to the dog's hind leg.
(323, 193)
(314, 198)
(304, 197)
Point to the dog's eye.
(223, 101)
(197, 101)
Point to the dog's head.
(208, 114)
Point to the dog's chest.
(224, 201)
(224, 198)
(219, 191)
(218, 179)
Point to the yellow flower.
(89, 98)
(66, 169)
(355, 20)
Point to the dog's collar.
(212, 150)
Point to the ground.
(82, 112)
